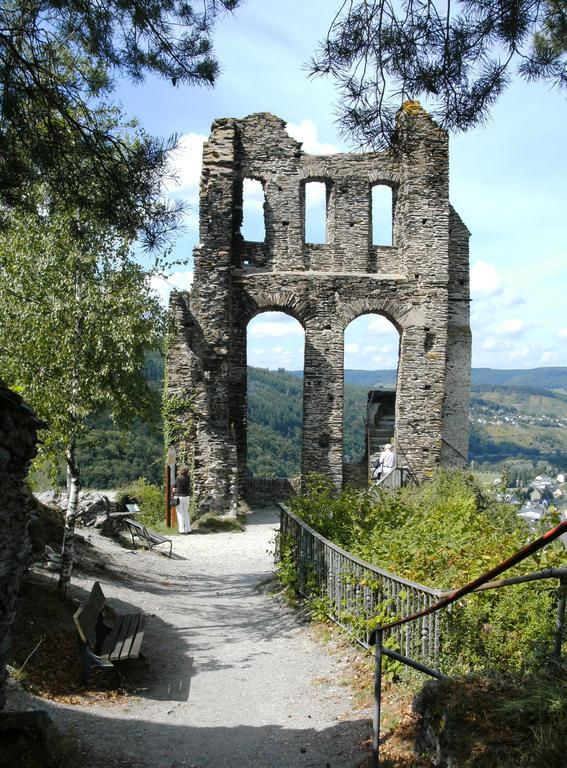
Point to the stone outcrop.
(91, 504)
(18, 440)
(420, 284)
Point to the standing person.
(387, 460)
(182, 488)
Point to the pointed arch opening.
(275, 356)
(371, 344)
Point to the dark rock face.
(18, 439)
(420, 283)
(442, 733)
(28, 740)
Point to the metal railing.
(356, 592)
(408, 618)
(477, 585)
(396, 478)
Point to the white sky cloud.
(315, 194)
(510, 327)
(274, 325)
(186, 163)
(562, 333)
(306, 132)
(520, 353)
(379, 324)
(353, 348)
(253, 194)
(180, 281)
(485, 280)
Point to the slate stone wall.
(420, 284)
(18, 439)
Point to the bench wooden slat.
(126, 638)
(102, 643)
(86, 616)
(151, 538)
(137, 642)
(126, 642)
(109, 642)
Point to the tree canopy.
(57, 62)
(78, 315)
(459, 57)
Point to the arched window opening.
(315, 212)
(253, 226)
(275, 352)
(370, 374)
(382, 215)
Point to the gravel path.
(233, 678)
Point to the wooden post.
(170, 469)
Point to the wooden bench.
(106, 641)
(149, 538)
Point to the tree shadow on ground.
(110, 741)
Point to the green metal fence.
(359, 596)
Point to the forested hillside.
(515, 415)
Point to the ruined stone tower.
(420, 284)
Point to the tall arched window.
(382, 215)
(253, 226)
(371, 362)
(315, 212)
(275, 352)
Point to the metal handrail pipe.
(413, 664)
(473, 585)
(548, 573)
(374, 568)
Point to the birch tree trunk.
(68, 546)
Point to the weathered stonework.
(18, 441)
(420, 283)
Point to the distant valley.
(516, 416)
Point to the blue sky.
(508, 183)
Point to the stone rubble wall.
(264, 490)
(18, 440)
(355, 475)
(420, 284)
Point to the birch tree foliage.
(457, 56)
(77, 317)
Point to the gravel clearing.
(233, 678)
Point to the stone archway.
(420, 283)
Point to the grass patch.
(210, 523)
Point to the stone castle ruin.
(420, 284)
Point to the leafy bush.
(443, 534)
(150, 499)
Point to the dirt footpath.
(232, 677)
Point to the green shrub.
(150, 499)
(443, 534)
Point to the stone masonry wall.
(420, 284)
(18, 438)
